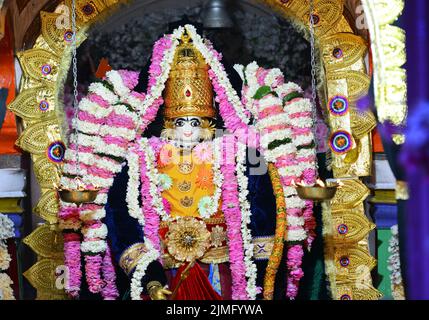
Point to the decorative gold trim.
(47, 243)
(262, 247)
(131, 257)
(350, 194)
(42, 275)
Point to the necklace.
(184, 146)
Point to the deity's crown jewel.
(188, 90)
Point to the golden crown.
(188, 91)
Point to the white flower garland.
(115, 78)
(5, 257)
(286, 88)
(88, 215)
(69, 225)
(253, 86)
(100, 90)
(100, 232)
(158, 88)
(94, 108)
(153, 175)
(100, 146)
(6, 232)
(394, 264)
(272, 155)
(267, 138)
(97, 161)
(251, 270)
(92, 246)
(6, 291)
(217, 180)
(140, 271)
(6, 227)
(132, 196)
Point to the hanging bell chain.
(313, 75)
(75, 86)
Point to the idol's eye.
(195, 123)
(179, 122)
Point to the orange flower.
(204, 178)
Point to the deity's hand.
(157, 291)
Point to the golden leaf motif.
(362, 122)
(47, 207)
(357, 82)
(42, 276)
(350, 195)
(353, 155)
(352, 49)
(53, 35)
(87, 10)
(35, 139)
(350, 228)
(328, 11)
(46, 172)
(45, 242)
(357, 292)
(29, 103)
(39, 64)
(348, 262)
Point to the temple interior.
(94, 96)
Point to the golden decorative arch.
(342, 55)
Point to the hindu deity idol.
(183, 215)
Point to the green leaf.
(262, 92)
(291, 96)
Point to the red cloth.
(195, 287)
(8, 132)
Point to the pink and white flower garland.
(286, 140)
(105, 126)
(251, 270)
(233, 219)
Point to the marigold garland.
(280, 234)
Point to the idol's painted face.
(188, 129)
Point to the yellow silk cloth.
(192, 180)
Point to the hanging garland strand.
(280, 233)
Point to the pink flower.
(138, 95)
(93, 272)
(203, 152)
(294, 261)
(109, 291)
(130, 78)
(167, 205)
(232, 213)
(73, 263)
(309, 176)
(152, 219)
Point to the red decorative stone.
(188, 93)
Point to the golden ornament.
(187, 239)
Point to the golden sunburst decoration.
(187, 239)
